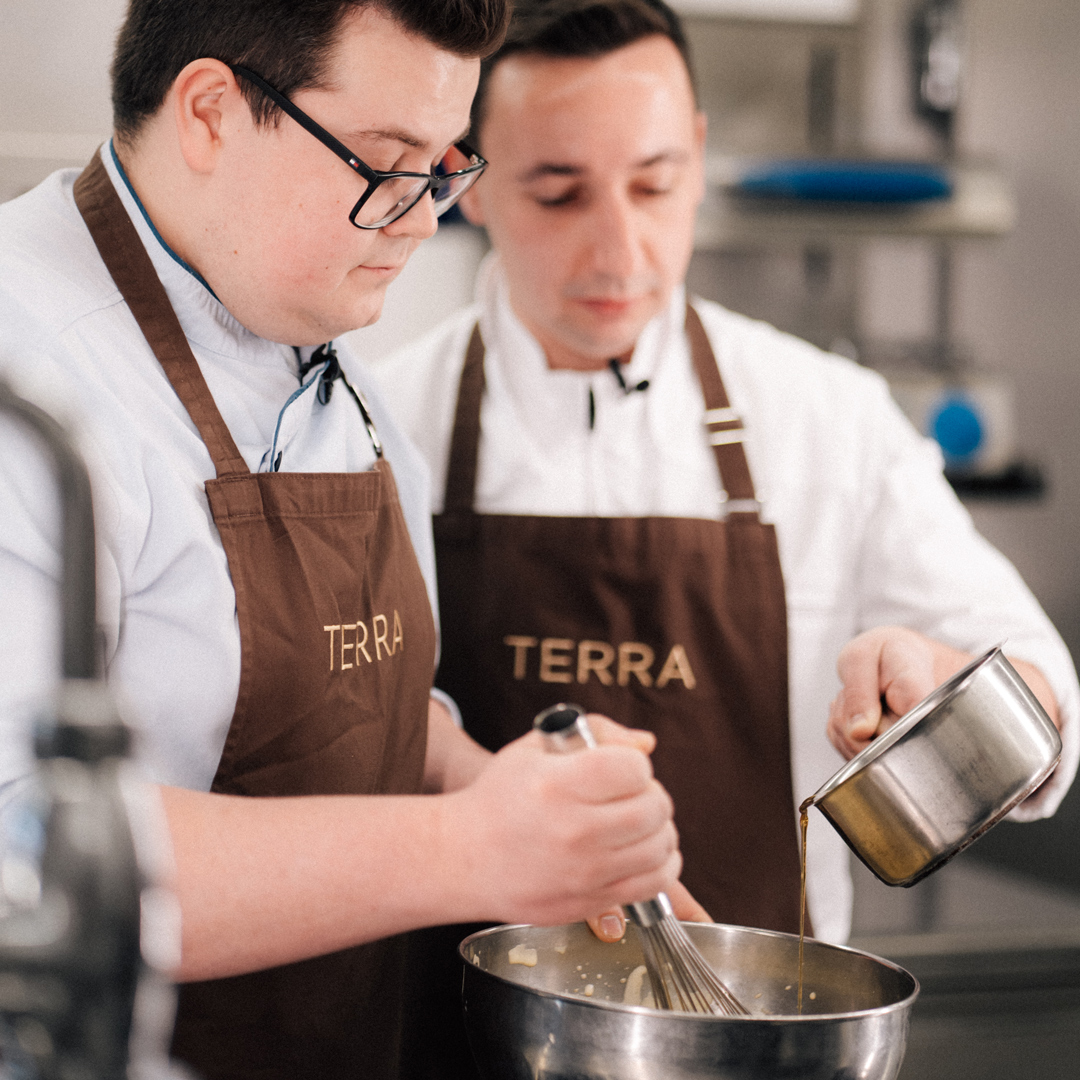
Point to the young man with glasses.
(668, 512)
(264, 556)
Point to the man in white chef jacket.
(250, 225)
(589, 119)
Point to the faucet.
(78, 998)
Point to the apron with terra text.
(337, 653)
(677, 625)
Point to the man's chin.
(372, 318)
(366, 312)
(325, 327)
(604, 342)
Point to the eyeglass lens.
(393, 198)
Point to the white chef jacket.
(166, 604)
(869, 531)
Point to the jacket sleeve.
(29, 595)
(925, 566)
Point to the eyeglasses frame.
(374, 177)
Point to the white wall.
(54, 85)
(1017, 303)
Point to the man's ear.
(204, 95)
(471, 206)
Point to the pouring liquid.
(804, 821)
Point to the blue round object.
(957, 428)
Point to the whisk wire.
(705, 991)
(681, 979)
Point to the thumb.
(859, 703)
(855, 713)
(851, 732)
(608, 926)
(861, 726)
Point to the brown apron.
(677, 625)
(337, 653)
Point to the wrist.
(458, 843)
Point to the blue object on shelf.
(957, 428)
(847, 181)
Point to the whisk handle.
(648, 913)
(564, 729)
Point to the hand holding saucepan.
(887, 671)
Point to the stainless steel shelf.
(982, 206)
(799, 11)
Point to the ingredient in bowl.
(637, 991)
(522, 954)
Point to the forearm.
(263, 882)
(283, 879)
(537, 837)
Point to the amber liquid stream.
(804, 821)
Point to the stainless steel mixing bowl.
(944, 773)
(545, 1023)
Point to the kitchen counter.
(998, 958)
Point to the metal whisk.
(681, 978)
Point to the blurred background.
(969, 303)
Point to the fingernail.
(612, 926)
(857, 721)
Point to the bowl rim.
(948, 689)
(642, 1010)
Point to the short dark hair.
(287, 42)
(570, 28)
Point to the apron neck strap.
(723, 424)
(129, 264)
(465, 440)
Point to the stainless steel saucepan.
(944, 773)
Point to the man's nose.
(615, 238)
(419, 222)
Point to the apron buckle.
(739, 506)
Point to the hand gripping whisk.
(681, 978)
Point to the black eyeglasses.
(389, 195)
